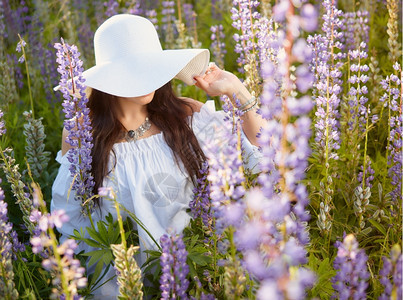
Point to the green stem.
(365, 152)
(119, 217)
(215, 254)
(65, 285)
(28, 274)
(28, 78)
(387, 139)
(233, 256)
(4, 275)
(90, 217)
(53, 248)
(122, 232)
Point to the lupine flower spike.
(173, 281)
(392, 269)
(326, 65)
(37, 157)
(77, 122)
(245, 19)
(350, 281)
(273, 236)
(7, 287)
(127, 271)
(13, 176)
(67, 272)
(218, 45)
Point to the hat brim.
(142, 74)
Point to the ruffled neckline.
(149, 143)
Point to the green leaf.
(192, 269)
(97, 272)
(378, 226)
(199, 258)
(108, 257)
(95, 234)
(92, 243)
(103, 233)
(324, 271)
(95, 256)
(115, 237)
(91, 253)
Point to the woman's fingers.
(201, 83)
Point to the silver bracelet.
(250, 108)
(247, 103)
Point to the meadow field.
(321, 220)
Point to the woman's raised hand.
(217, 82)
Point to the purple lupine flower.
(356, 29)
(325, 64)
(152, 16)
(19, 19)
(350, 282)
(358, 91)
(112, 7)
(225, 167)
(51, 76)
(218, 45)
(74, 273)
(244, 13)
(395, 158)
(6, 227)
(20, 45)
(392, 268)
(217, 9)
(134, 8)
(13, 61)
(168, 21)
(85, 35)
(17, 245)
(7, 279)
(268, 252)
(328, 80)
(45, 221)
(189, 14)
(2, 126)
(369, 174)
(200, 205)
(173, 281)
(396, 134)
(392, 99)
(3, 32)
(43, 243)
(77, 120)
(308, 17)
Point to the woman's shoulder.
(195, 106)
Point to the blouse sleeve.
(208, 126)
(63, 197)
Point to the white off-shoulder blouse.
(147, 181)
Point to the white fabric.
(147, 181)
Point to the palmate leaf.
(106, 234)
(94, 256)
(199, 255)
(324, 271)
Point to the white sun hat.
(130, 62)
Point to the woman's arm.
(219, 82)
(65, 146)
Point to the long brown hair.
(168, 112)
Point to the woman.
(149, 144)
